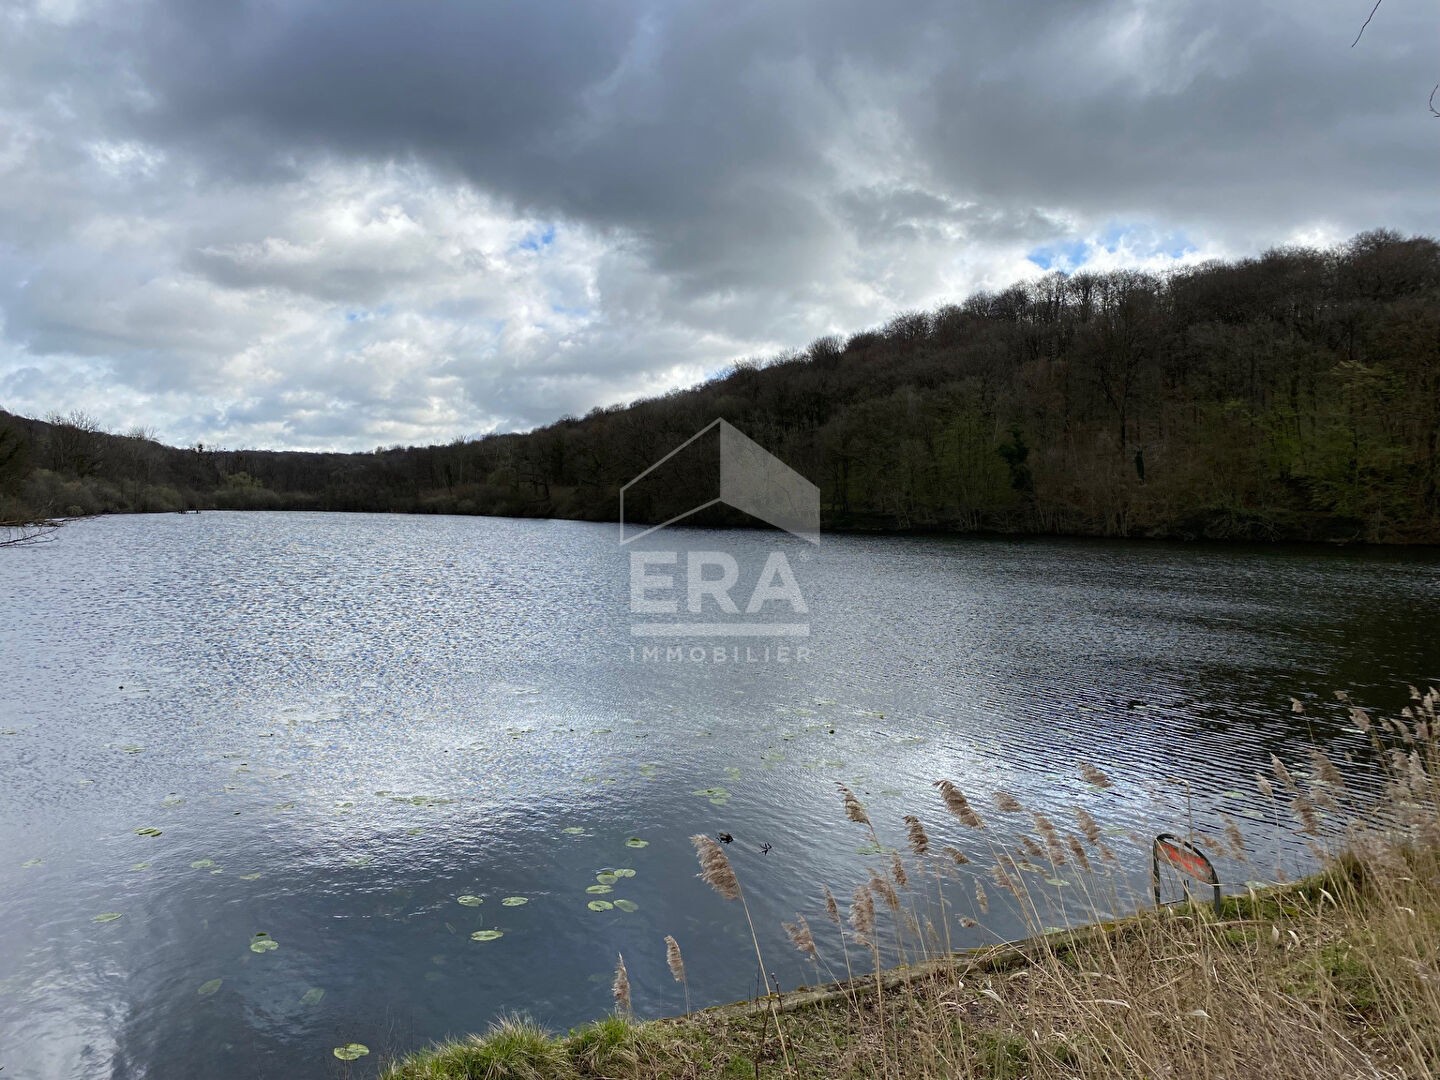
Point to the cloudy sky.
(326, 224)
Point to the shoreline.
(691, 1045)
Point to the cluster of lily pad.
(472, 900)
(605, 881)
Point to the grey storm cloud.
(291, 222)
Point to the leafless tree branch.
(25, 533)
(1366, 23)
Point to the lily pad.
(573, 830)
(515, 901)
(1056, 881)
(108, 916)
(607, 878)
(636, 842)
(148, 830)
(208, 988)
(351, 1051)
(600, 890)
(141, 866)
(600, 905)
(624, 871)
(263, 943)
(469, 901)
(202, 864)
(312, 996)
(251, 877)
(32, 862)
(626, 905)
(486, 935)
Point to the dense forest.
(1291, 396)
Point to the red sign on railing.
(1186, 858)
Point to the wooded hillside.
(1294, 395)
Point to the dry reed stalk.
(882, 888)
(832, 909)
(1325, 769)
(854, 808)
(1078, 851)
(916, 835)
(1003, 879)
(862, 913)
(897, 872)
(1235, 836)
(716, 871)
(1092, 775)
(1264, 786)
(958, 805)
(1088, 825)
(801, 937)
(981, 900)
(676, 964)
(1282, 773)
(1007, 803)
(1055, 851)
(620, 989)
(1304, 809)
(715, 868)
(674, 960)
(1044, 826)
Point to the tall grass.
(1336, 975)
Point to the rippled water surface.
(339, 725)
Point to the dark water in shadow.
(377, 715)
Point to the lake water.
(340, 724)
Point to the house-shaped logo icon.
(747, 477)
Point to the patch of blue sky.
(538, 240)
(367, 314)
(1063, 256)
(1138, 240)
(1146, 240)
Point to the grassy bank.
(1337, 975)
